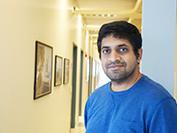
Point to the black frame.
(58, 70)
(66, 71)
(43, 69)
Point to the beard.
(119, 72)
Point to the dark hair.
(121, 29)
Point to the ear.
(140, 52)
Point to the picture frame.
(43, 69)
(58, 70)
(66, 71)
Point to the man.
(131, 102)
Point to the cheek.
(131, 61)
(129, 58)
(103, 63)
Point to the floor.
(78, 130)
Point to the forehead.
(109, 41)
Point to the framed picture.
(58, 70)
(66, 71)
(43, 69)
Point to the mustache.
(115, 63)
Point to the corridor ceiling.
(97, 12)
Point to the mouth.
(115, 67)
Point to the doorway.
(81, 83)
(74, 76)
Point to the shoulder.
(153, 92)
(154, 88)
(98, 95)
(101, 91)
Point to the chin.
(118, 77)
(115, 78)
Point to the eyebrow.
(105, 47)
(121, 45)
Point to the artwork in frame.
(58, 70)
(43, 69)
(66, 71)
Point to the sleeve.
(164, 119)
(86, 113)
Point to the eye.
(123, 50)
(106, 51)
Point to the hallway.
(49, 59)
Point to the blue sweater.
(144, 108)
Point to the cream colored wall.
(22, 23)
(85, 81)
(175, 89)
(78, 38)
(137, 23)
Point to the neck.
(126, 84)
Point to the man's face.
(118, 58)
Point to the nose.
(114, 56)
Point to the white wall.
(22, 23)
(158, 25)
